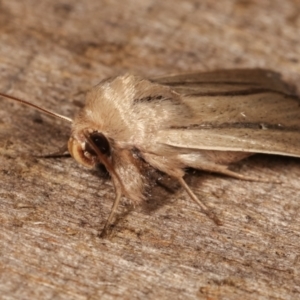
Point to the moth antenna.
(45, 111)
(116, 180)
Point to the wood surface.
(51, 210)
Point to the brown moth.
(205, 121)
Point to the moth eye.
(101, 142)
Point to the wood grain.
(51, 210)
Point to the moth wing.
(226, 81)
(235, 110)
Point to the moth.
(206, 121)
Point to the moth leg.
(218, 162)
(128, 181)
(220, 169)
(62, 151)
(206, 210)
(173, 167)
(116, 203)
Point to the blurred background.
(51, 53)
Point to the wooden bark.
(51, 210)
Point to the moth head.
(89, 148)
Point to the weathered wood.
(51, 210)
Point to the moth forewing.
(202, 120)
(264, 120)
(249, 111)
(227, 81)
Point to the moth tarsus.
(203, 207)
(205, 121)
(106, 231)
(61, 152)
